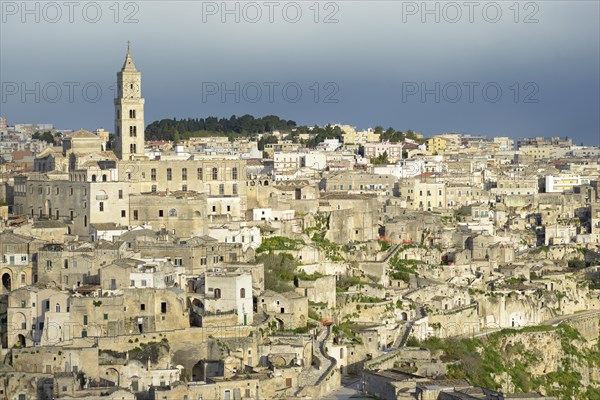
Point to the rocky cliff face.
(555, 361)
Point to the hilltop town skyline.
(546, 66)
(394, 200)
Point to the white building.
(248, 236)
(564, 183)
(268, 214)
(227, 292)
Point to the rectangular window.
(85, 319)
(144, 283)
(163, 307)
(153, 189)
(153, 174)
(120, 193)
(135, 215)
(184, 188)
(142, 307)
(215, 173)
(235, 189)
(199, 174)
(169, 174)
(184, 174)
(221, 189)
(101, 206)
(160, 213)
(234, 173)
(105, 316)
(122, 213)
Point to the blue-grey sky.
(432, 67)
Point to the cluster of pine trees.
(246, 125)
(249, 126)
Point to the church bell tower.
(129, 112)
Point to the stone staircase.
(313, 375)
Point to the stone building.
(228, 292)
(423, 194)
(196, 254)
(320, 290)
(129, 112)
(290, 309)
(360, 182)
(351, 217)
(134, 311)
(35, 315)
(17, 254)
(97, 178)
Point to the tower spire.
(129, 111)
(128, 65)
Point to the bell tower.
(129, 112)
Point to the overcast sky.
(482, 68)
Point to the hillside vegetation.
(555, 361)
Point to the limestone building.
(129, 112)
(101, 188)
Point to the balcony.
(101, 197)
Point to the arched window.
(242, 293)
(57, 308)
(217, 293)
(104, 178)
(94, 178)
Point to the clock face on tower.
(130, 88)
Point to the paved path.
(553, 321)
(310, 376)
(403, 338)
(348, 391)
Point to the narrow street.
(349, 390)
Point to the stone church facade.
(100, 185)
